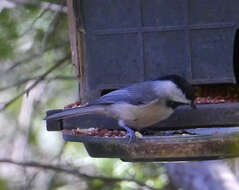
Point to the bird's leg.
(130, 132)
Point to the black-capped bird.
(139, 105)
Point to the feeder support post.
(76, 40)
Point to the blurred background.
(37, 74)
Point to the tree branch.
(23, 81)
(61, 77)
(51, 28)
(74, 172)
(31, 57)
(58, 157)
(43, 5)
(42, 77)
(33, 22)
(25, 60)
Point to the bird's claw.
(130, 134)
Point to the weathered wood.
(73, 35)
(76, 33)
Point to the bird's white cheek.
(178, 96)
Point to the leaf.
(6, 49)
(8, 25)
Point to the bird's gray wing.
(136, 94)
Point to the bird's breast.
(140, 116)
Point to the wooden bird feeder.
(118, 43)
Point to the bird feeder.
(115, 44)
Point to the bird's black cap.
(183, 84)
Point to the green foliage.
(4, 184)
(8, 25)
(8, 34)
(107, 166)
(14, 109)
(100, 185)
(31, 10)
(39, 34)
(6, 50)
(32, 138)
(53, 1)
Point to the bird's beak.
(193, 105)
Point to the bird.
(138, 105)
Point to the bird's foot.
(130, 133)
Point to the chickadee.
(139, 105)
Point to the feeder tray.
(217, 144)
(163, 142)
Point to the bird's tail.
(73, 112)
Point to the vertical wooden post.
(76, 40)
(73, 36)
